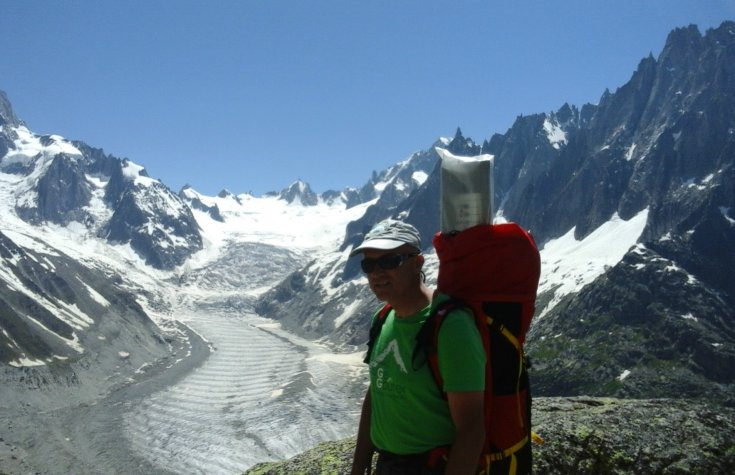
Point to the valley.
(237, 390)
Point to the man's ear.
(420, 260)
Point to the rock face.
(157, 223)
(299, 192)
(592, 436)
(670, 334)
(190, 197)
(664, 436)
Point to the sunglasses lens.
(390, 261)
(368, 265)
(386, 262)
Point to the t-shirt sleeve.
(461, 354)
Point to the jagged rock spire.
(7, 116)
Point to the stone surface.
(592, 436)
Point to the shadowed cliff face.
(592, 436)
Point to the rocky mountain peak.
(566, 113)
(722, 34)
(225, 193)
(301, 191)
(462, 146)
(190, 196)
(7, 116)
(8, 122)
(682, 41)
(156, 222)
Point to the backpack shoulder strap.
(427, 339)
(375, 328)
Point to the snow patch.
(419, 177)
(348, 312)
(20, 362)
(629, 153)
(379, 187)
(555, 134)
(567, 265)
(726, 214)
(133, 172)
(29, 147)
(96, 296)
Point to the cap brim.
(379, 244)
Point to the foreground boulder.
(592, 436)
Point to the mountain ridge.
(662, 144)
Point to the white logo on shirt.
(392, 347)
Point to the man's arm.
(363, 457)
(467, 411)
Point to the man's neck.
(413, 303)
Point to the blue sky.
(252, 95)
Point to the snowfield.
(567, 265)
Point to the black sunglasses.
(386, 262)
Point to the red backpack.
(494, 271)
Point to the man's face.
(389, 285)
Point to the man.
(404, 414)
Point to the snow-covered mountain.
(637, 186)
(56, 308)
(58, 181)
(631, 200)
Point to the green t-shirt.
(409, 414)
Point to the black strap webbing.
(375, 328)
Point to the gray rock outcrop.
(591, 436)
